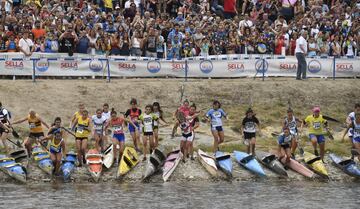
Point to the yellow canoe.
(315, 163)
(128, 161)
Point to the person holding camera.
(68, 41)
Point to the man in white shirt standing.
(300, 52)
(26, 45)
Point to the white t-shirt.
(106, 115)
(99, 123)
(128, 3)
(26, 44)
(245, 23)
(301, 41)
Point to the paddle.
(331, 119)
(355, 152)
(71, 133)
(14, 133)
(18, 144)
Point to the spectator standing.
(38, 31)
(26, 45)
(229, 9)
(300, 52)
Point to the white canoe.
(171, 162)
(108, 158)
(208, 162)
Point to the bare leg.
(97, 142)
(322, 150)
(79, 153)
(3, 139)
(151, 142)
(145, 138)
(252, 145)
(357, 147)
(176, 125)
(221, 137)
(84, 148)
(216, 140)
(288, 155)
(116, 156)
(58, 163)
(53, 159)
(314, 144)
(156, 137)
(293, 145)
(122, 147)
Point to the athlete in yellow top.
(57, 148)
(147, 119)
(36, 129)
(82, 126)
(77, 114)
(316, 124)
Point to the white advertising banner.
(213, 66)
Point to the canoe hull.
(109, 156)
(94, 163)
(271, 162)
(13, 169)
(224, 163)
(171, 162)
(128, 161)
(68, 166)
(252, 165)
(315, 164)
(208, 163)
(42, 158)
(347, 166)
(155, 162)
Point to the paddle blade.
(331, 119)
(15, 134)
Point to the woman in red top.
(185, 108)
(134, 128)
(117, 124)
(279, 43)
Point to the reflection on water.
(264, 194)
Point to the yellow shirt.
(316, 125)
(35, 124)
(82, 128)
(108, 4)
(77, 115)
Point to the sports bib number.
(217, 114)
(317, 125)
(80, 130)
(32, 125)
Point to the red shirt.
(117, 124)
(185, 110)
(280, 44)
(229, 6)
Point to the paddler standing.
(4, 126)
(355, 126)
(147, 119)
(82, 127)
(292, 123)
(117, 124)
(57, 148)
(159, 113)
(349, 120)
(284, 141)
(133, 114)
(195, 123)
(36, 129)
(249, 125)
(215, 116)
(99, 121)
(184, 108)
(316, 124)
(77, 115)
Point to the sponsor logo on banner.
(314, 66)
(153, 66)
(344, 67)
(236, 67)
(42, 65)
(178, 66)
(14, 65)
(206, 66)
(69, 65)
(261, 65)
(127, 66)
(96, 65)
(288, 66)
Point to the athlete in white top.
(99, 122)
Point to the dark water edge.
(218, 195)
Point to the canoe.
(20, 156)
(208, 162)
(42, 159)
(171, 162)
(13, 169)
(348, 166)
(68, 165)
(128, 161)
(156, 161)
(298, 167)
(224, 163)
(315, 163)
(109, 156)
(249, 162)
(271, 162)
(94, 163)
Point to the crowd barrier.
(222, 66)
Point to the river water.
(253, 194)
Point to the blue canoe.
(249, 162)
(42, 158)
(224, 163)
(347, 166)
(13, 169)
(68, 165)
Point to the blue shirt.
(215, 116)
(282, 139)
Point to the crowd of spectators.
(181, 28)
